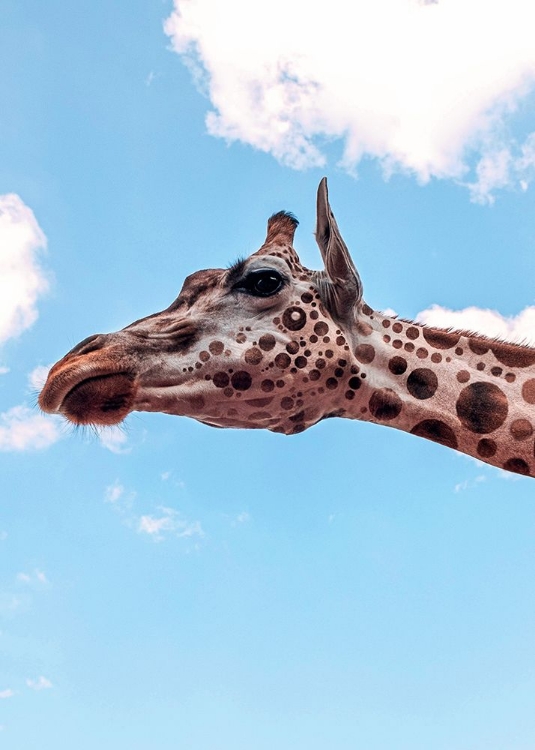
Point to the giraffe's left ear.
(340, 284)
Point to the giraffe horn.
(340, 283)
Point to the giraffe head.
(264, 344)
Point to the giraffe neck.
(470, 393)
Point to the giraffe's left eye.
(264, 282)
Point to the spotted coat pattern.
(312, 350)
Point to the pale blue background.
(355, 588)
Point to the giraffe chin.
(100, 400)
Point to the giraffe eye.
(261, 283)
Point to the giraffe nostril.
(90, 344)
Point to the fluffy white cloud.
(22, 429)
(519, 328)
(8, 693)
(420, 85)
(169, 521)
(40, 683)
(22, 280)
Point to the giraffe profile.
(270, 344)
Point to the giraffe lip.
(103, 399)
(63, 382)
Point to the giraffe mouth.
(101, 398)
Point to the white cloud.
(40, 683)
(114, 439)
(6, 693)
(469, 484)
(22, 429)
(37, 576)
(519, 328)
(421, 86)
(3, 535)
(22, 280)
(38, 376)
(169, 521)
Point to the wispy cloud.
(8, 693)
(39, 683)
(22, 279)
(469, 484)
(519, 328)
(168, 521)
(425, 87)
(22, 429)
(36, 577)
(113, 439)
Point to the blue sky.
(174, 586)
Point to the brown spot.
(397, 365)
(301, 362)
(397, 327)
(518, 465)
(409, 346)
(321, 328)
(397, 343)
(294, 318)
(253, 356)
(386, 323)
(441, 339)
(513, 356)
(216, 347)
(463, 376)
(528, 391)
(412, 333)
(385, 404)
(282, 360)
(355, 383)
(267, 385)
(434, 429)
(350, 395)
(292, 347)
(486, 448)
(266, 342)
(510, 377)
(496, 371)
(241, 338)
(306, 297)
(459, 351)
(331, 383)
(365, 353)
(521, 429)
(314, 375)
(287, 403)
(363, 328)
(366, 309)
(320, 363)
(422, 383)
(259, 401)
(314, 314)
(204, 356)
(436, 358)
(241, 380)
(478, 346)
(221, 379)
(421, 353)
(482, 407)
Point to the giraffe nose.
(90, 344)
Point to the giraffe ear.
(340, 284)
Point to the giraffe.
(268, 343)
